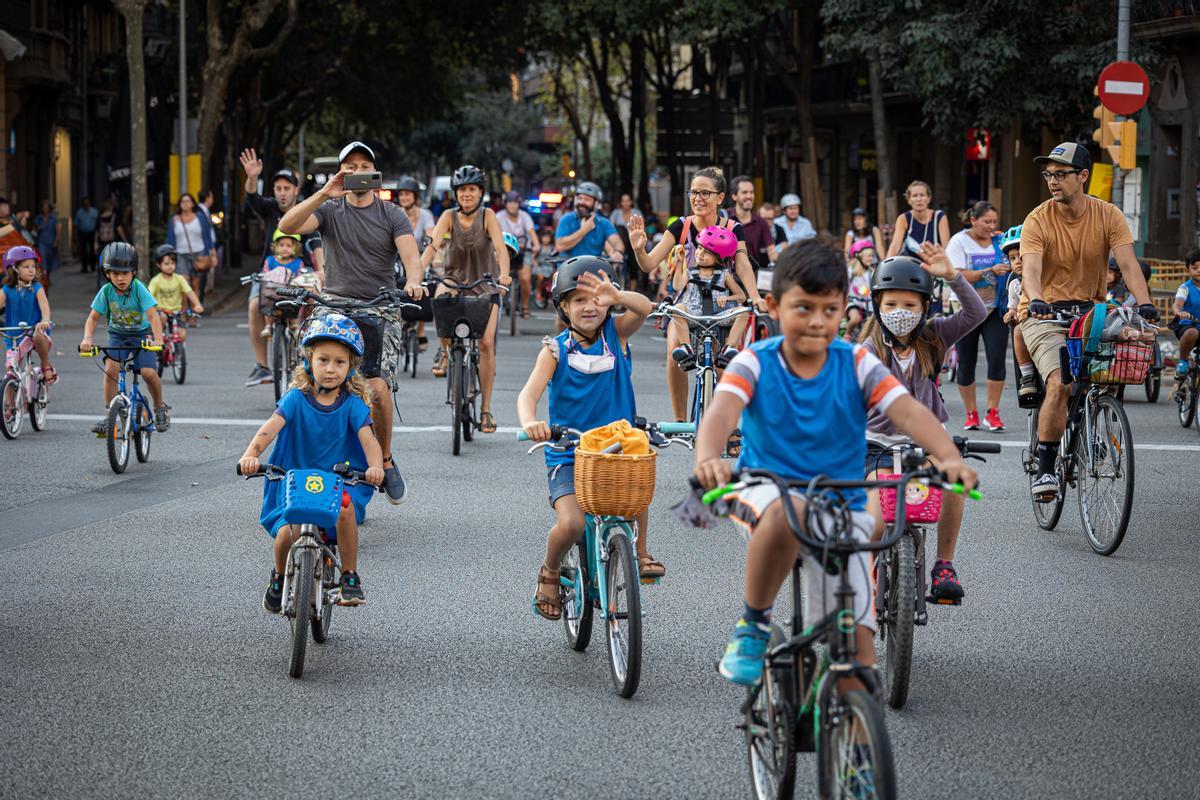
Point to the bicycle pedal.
(921, 619)
(944, 601)
(651, 581)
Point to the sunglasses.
(1059, 175)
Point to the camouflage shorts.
(381, 339)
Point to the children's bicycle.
(708, 341)
(1188, 390)
(312, 499)
(795, 708)
(130, 417)
(23, 388)
(463, 319)
(174, 351)
(600, 572)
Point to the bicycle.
(463, 320)
(174, 351)
(1095, 453)
(900, 576)
(129, 414)
(794, 708)
(1188, 390)
(312, 500)
(286, 320)
(23, 388)
(600, 572)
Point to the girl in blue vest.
(589, 371)
(24, 301)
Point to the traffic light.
(1123, 146)
(1104, 119)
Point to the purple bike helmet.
(16, 255)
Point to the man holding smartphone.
(362, 236)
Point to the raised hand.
(251, 163)
(606, 294)
(335, 187)
(636, 228)
(936, 262)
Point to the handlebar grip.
(676, 428)
(522, 436)
(983, 447)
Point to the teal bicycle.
(600, 573)
(130, 417)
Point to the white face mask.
(900, 322)
(590, 364)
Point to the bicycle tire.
(141, 439)
(10, 408)
(301, 610)
(1185, 400)
(160, 361)
(771, 758)
(179, 363)
(117, 438)
(1048, 514)
(37, 407)
(278, 359)
(896, 635)
(1112, 437)
(576, 600)
(620, 574)
(456, 398)
(470, 380)
(1153, 387)
(328, 580)
(514, 292)
(861, 718)
(412, 350)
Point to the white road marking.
(254, 423)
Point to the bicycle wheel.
(302, 608)
(513, 291)
(411, 350)
(327, 579)
(1106, 487)
(141, 439)
(37, 407)
(896, 629)
(179, 364)
(855, 758)
(1045, 514)
(160, 361)
(117, 440)
(624, 614)
(577, 607)
(457, 377)
(470, 380)
(1185, 400)
(1153, 386)
(13, 415)
(768, 721)
(279, 359)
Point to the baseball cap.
(858, 211)
(287, 175)
(1068, 154)
(354, 147)
(510, 196)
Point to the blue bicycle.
(601, 570)
(130, 417)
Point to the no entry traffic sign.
(1124, 87)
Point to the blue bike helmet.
(1010, 239)
(510, 241)
(334, 328)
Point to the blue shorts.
(144, 359)
(562, 481)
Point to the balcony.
(44, 62)
(1160, 19)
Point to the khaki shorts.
(1044, 341)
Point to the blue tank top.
(1192, 303)
(21, 305)
(585, 401)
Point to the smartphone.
(363, 181)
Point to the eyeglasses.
(703, 194)
(1059, 175)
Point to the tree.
(132, 11)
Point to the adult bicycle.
(174, 350)
(130, 418)
(312, 500)
(280, 304)
(599, 573)
(23, 387)
(463, 319)
(1188, 390)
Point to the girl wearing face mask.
(903, 336)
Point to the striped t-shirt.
(799, 428)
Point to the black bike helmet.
(591, 190)
(566, 280)
(466, 175)
(408, 183)
(162, 251)
(119, 257)
(1147, 270)
(900, 272)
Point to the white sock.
(1026, 370)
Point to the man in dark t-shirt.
(759, 233)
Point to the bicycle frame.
(18, 364)
(133, 397)
(705, 337)
(309, 539)
(596, 531)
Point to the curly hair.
(356, 384)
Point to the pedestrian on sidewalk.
(46, 224)
(190, 233)
(87, 217)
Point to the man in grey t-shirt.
(362, 237)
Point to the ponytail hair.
(715, 175)
(976, 211)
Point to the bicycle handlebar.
(350, 476)
(386, 297)
(95, 350)
(464, 287)
(668, 309)
(661, 434)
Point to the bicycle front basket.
(425, 312)
(448, 310)
(312, 496)
(922, 502)
(614, 484)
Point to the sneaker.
(351, 593)
(101, 428)
(1045, 488)
(162, 418)
(992, 420)
(972, 423)
(745, 653)
(259, 375)
(273, 598)
(1027, 386)
(685, 357)
(265, 332)
(726, 356)
(944, 586)
(1181, 370)
(393, 484)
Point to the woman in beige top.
(476, 249)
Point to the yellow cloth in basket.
(633, 441)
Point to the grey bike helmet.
(467, 175)
(119, 257)
(162, 251)
(566, 280)
(591, 190)
(408, 183)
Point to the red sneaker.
(993, 420)
(972, 421)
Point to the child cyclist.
(1027, 389)
(1186, 324)
(323, 420)
(803, 399)
(131, 314)
(863, 258)
(715, 250)
(911, 345)
(589, 371)
(24, 301)
(170, 288)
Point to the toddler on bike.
(322, 420)
(24, 301)
(170, 288)
(803, 399)
(862, 261)
(911, 345)
(131, 314)
(715, 250)
(589, 371)
(1187, 314)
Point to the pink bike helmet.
(18, 254)
(719, 240)
(859, 246)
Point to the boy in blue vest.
(589, 371)
(1187, 313)
(802, 399)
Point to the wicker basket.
(614, 484)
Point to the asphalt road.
(138, 661)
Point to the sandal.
(49, 376)
(487, 423)
(440, 362)
(548, 606)
(649, 568)
(525, 313)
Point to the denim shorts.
(143, 359)
(562, 481)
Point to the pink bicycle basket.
(923, 503)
